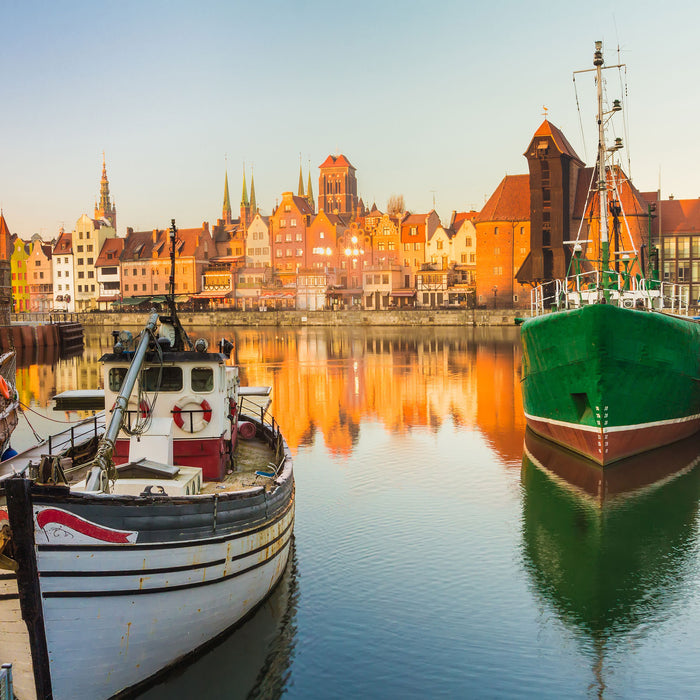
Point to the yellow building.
(18, 270)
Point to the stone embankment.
(409, 317)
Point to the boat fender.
(246, 429)
(196, 415)
(4, 388)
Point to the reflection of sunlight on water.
(331, 381)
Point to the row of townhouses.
(334, 252)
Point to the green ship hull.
(611, 382)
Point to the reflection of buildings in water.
(251, 662)
(329, 380)
(500, 408)
(608, 549)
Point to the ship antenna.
(181, 337)
(602, 177)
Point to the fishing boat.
(117, 564)
(611, 358)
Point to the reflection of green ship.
(607, 549)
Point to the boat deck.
(253, 460)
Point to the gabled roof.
(115, 246)
(414, 220)
(546, 128)
(64, 244)
(509, 202)
(680, 215)
(461, 216)
(336, 162)
(302, 204)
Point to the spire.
(301, 183)
(106, 208)
(227, 202)
(310, 191)
(244, 195)
(253, 203)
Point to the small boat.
(9, 401)
(611, 358)
(127, 547)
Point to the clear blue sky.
(420, 96)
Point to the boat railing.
(259, 412)
(6, 690)
(622, 289)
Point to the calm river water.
(435, 556)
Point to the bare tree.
(395, 205)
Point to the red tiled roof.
(510, 201)
(546, 128)
(414, 219)
(302, 204)
(113, 246)
(680, 215)
(64, 244)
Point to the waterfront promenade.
(360, 317)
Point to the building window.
(283, 223)
(288, 207)
(496, 251)
(91, 274)
(89, 261)
(80, 249)
(439, 245)
(300, 252)
(81, 274)
(495, 230)
(683, 247)
(669, 248)
(416, 246)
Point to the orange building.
(288, 225)
(416, 231)
(145, 262)
(503, 242)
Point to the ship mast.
(602, 179)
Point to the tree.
(395, 205)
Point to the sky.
(436, 101)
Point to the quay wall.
(409, 317)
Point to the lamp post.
(495, 296)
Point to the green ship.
(611, 359)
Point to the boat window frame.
(192, 384)
(167, 369)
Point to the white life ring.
(193, 415)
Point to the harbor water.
(437, 553)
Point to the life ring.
(193, 415)
(4, 388)
(144, 408)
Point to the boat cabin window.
(171, 379)
(202, 379)
(116, 377)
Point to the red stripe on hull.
(605, 446)
(209, 454)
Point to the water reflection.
(610, 551)
(327, 382)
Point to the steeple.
(227, 202)
(301, 183)
(253, 203)
(106, 209)
(244, 195)
(310, 192)
(246, 215)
